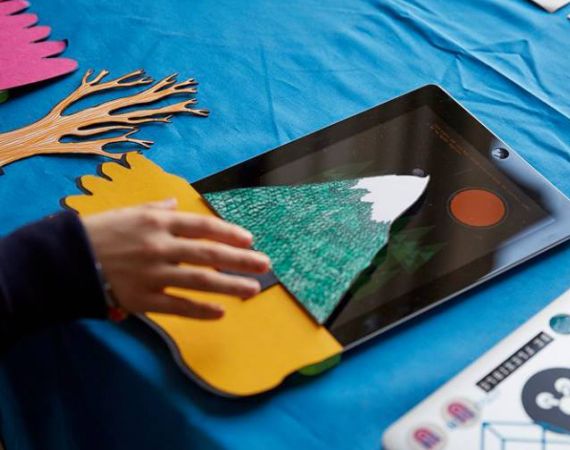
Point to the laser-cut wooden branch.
(45, 136)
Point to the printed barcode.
(513, 362)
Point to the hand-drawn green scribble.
(405, 253)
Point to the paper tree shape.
(320, 236)
(45, 136)
(25, 56)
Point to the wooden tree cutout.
(45, 136)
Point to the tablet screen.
(469, 209)
(452, 238)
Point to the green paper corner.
(323, 366)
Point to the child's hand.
(141, 248)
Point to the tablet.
(484, 211)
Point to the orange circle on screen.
(477, 208)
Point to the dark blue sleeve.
(47, 275)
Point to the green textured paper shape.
(3, 96)
(320, 236)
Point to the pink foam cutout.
(24, 57)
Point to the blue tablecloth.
(270, 72)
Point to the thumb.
(169, 203)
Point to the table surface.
(270, 72)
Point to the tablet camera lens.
(500, 153)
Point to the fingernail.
(217, 308)
(170, 202)
(214, 312)
(264, 263)
(251, 288)
(247, 236)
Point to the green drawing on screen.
(320, 236)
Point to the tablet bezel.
(442, 289)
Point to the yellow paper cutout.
(259, 341)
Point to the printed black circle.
(546, 399)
